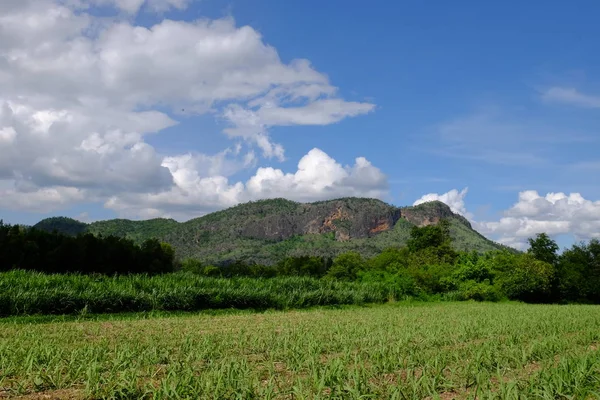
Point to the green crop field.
(391, 351)
(28, 293)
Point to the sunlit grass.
(394, 351)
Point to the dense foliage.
(32, 249)
(429, 266)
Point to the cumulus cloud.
(454, 199)
(80, 149)
(80, 93)
(317, 177)
(38, 199)
(553, 213)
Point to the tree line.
(36, 250)
(426, 267)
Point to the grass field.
(395, 351)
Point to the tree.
(543, 248)
(523, 277)
(390, 260)
(425, 237)
(346, 266)
(578, 272)
(54, 252)
(432, 241)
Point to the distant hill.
(138, 231)
(266, 231)
(68, 226)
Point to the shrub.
(479, 291)
(523, 277)
(346, 266)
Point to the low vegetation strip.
(392, 351)
(29, 293)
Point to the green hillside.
(268, 230)
(138, 231)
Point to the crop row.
(27, 293)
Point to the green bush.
(403, 283)
(347, 266)
(191, 265)
(480, 291)
(523, 277)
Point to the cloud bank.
(80, 93)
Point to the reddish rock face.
(328, 224)
(348, 218)
(381, 226)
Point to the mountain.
(267, 230)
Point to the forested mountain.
(268, 230)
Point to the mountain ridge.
(265, 231)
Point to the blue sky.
(502, 99)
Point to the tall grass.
(28, 293)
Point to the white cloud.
(79, 94)
(454, 199)
(38, 200)
(318, 177)
(80, 149)
(571, 96)
(320, 112)
(553, 213)
(253, 125)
